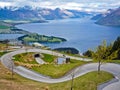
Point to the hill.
(7, 28)
(110, 19)
(34, 37)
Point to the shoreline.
(15, 30)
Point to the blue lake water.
(9, 36)
(82, 34)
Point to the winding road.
(79, 71)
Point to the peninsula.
(9, 28)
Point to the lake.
(81, 34)
(9, 36)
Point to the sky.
(87, 5)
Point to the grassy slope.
(108, 61)
(4, 27)
(56, 71)
(8, 28)
(49, 58)
(52, 70)
(86, 82)
(2, 53)
(113, 61)
(2, 47)
(26, 58)
(29, 58)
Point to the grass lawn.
(2, 46)
(89, 81)
(49, 58)
(113, 61)
(86, 82)
(26, 58)
(108, 61)
(56, 71)
(4, 27)
(2, 53)
(29, 58)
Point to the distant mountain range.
(110, 18)
(27, 13)
(101, 15)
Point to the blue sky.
(87, 5)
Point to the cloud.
(88, 5)
(3, 4)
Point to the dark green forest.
(106, 52)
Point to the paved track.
(109, 67)
(39, 60)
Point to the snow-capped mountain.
(110, 18)
(28, 13)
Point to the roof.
(38, 44)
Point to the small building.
(63, 60)
(38, 45)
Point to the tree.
(108, 52)
(99, 54)
(113, 55)
(88, 53)
(116, 47)
(119, 54)
(116, 44)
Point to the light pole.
(72, 82)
